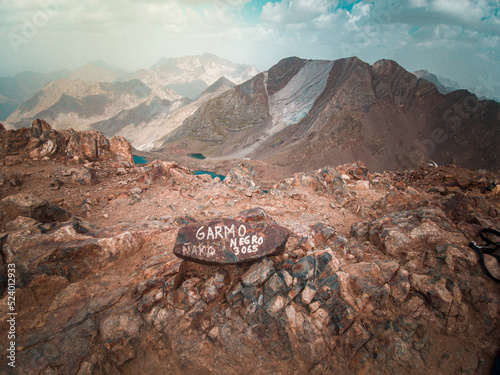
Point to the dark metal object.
(489, 249)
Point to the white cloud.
(464, 9)
(295, 11)
(430, 34)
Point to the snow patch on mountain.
(292, 103)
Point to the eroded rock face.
(303, 112)
(121, 147)
(241, 175)
(40, 141)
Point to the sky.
(457, 39)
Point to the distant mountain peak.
(220, 84)
(444, 85)
(97, 71)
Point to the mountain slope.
(143, 106)
(15, 90)
(77, 103)
(147, 123)
(302, 114)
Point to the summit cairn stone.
(229, 241)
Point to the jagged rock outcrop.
(241, 175)
(41, 141)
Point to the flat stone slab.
(229, 241)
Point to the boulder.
(48, 148)
(38, 127)
(85, 145)
(29, 205)
(84, 176)
(15, 140)
(121, 148)
(241, 175)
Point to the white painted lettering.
(242, 230)
(210, 234)
(218, 232)
(199, 234)
(229, 231)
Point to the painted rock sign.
(227, 241)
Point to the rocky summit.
(355, 272)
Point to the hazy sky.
(458, 39)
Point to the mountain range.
(105, 97)
(297, 115)
(302, 114)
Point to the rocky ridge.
(376, 275)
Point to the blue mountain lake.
(213, 175)
(139, 159)
(197, 156)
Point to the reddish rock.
(38, 127)
(242, 175)
(403, 294)
(253, 215)
(14, 140)
(29, 205)
(120, 147)
(48, 148)
(41, 140)
(84, 145)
